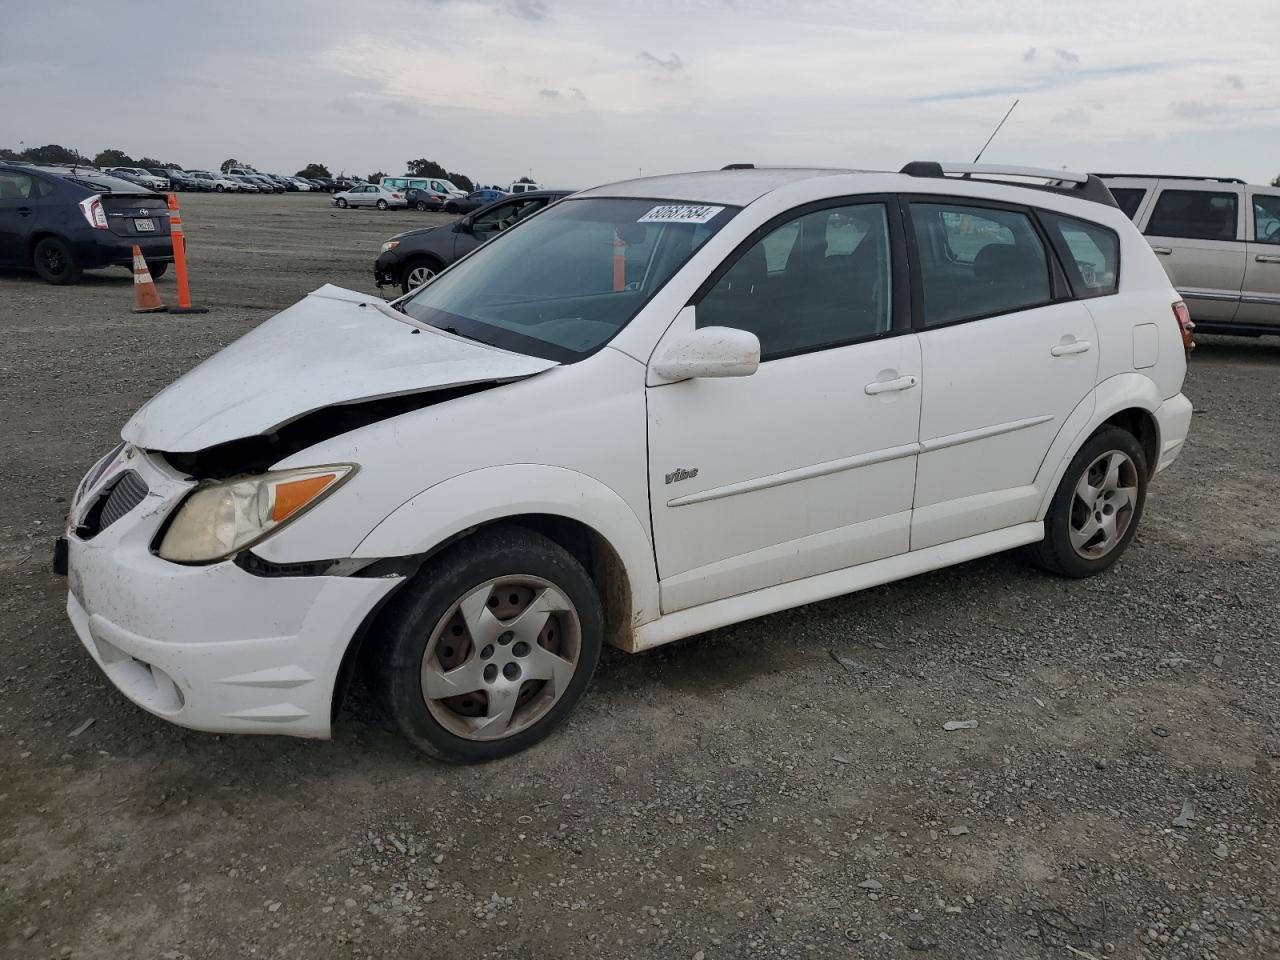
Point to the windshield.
(567, 281)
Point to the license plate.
(145, 226)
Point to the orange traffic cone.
(180, 260)
(145, 296)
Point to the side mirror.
(464, 225)
(710, 352)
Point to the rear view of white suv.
(650, 410)
(1219, 240)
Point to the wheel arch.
(1128, 400)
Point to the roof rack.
(1167, 176)
(1086, 186)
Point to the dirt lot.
(742, 794)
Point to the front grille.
(125, 494)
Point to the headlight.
(219, 520)
(390, 245)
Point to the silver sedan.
(370, 195)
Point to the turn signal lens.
(1185, 327)
(292, 495)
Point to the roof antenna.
(994, 132)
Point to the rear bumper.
(109, 249)
(1174, 419)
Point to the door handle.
(1264, 258)
(25, 211)
(1070, 349)
(890, 386)
(1163, 251)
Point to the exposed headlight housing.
(390, 245)
(221, 519)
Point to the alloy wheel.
(418, 276)
(501, 658)
(1103, 503)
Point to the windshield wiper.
(458, 333)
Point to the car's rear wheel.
(382, 204)
(1096, 509)
(450, 208)
(219, 188)
(157, 268)
(341, 202)
(417, 272)
(420, 206)
(55, 262)
(491, 646)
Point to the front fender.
(1125, 391)
(492, 493)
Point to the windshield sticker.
(680, 213)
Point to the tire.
(420, 207)
(218, 188)
(408, 280)
(55, 263)
(341, 202)
(157, 269)
(426, 636)
(450, 208)
(382, 204)
(1108, 477)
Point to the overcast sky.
(585, 91)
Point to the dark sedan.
(424, 198)
(412, 258)
(472, 201)
(63, 221)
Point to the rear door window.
(1090, 252)
(1128, 199)
(16, 186)
(1194, 215)
(978, 262)
(1266, 218)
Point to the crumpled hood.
(333, 347)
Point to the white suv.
(1219, 240)
(652, 409)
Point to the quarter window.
(977, 262)
(1194, 215)
(16, 186)
(1090, 253)
(1266, 219)
(1128, 199)
(816, 281)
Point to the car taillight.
(1185, 326)
(91, 207)
(397, 196)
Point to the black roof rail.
(1168, 176)
(1086, 186)
(738, 166)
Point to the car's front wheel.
(1096, 509)
(491, 646)
(382, 204)
(416, 273)
(55, 262)
(341, 202)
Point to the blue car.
(61, 221)
(472, 201)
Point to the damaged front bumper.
(212, 647)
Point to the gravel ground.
(782, 788)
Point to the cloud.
(527, 9)
(399, 108)
(577, 94)
(1233, 81)
(549, 94)
(1195, 110)
(671, 64)
(345, 105)
(1029, 55)
(1066, 56)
